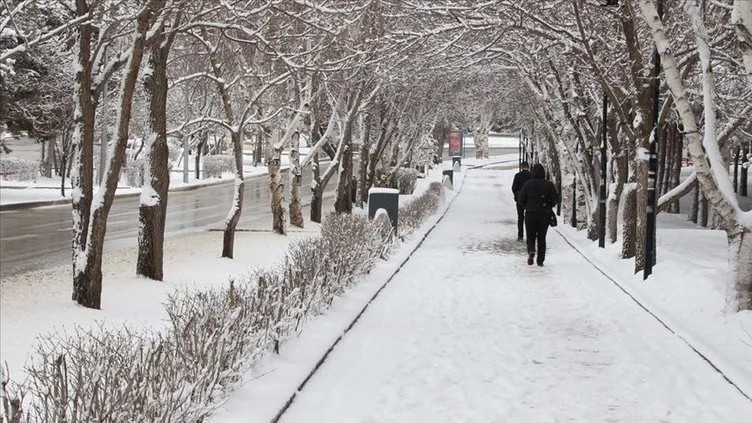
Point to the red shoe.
(530, 259)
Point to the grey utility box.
(387, 199)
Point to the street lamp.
(653, 163)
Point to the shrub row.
(215, 166)
(12, 168)
(177, 375)
(404, 180)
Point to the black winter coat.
(519, 181)
(538, 195)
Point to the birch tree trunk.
(741, 18)
(712, 174)
(296, 205)
(277, 189)
(365, 148)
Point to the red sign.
(455, 143)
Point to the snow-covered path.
(467, 332)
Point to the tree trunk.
(676, 176)
(629, 230)
(694, 205)
(233, 216)
(593, 226)
(664, 146)
(296, 205)
(744, 172)
(614, 198)
(365, 148)
(277, 189)
(740, 246)
(640, 212)
(200, 147)
(87, 251)
(704, 210)
(737, 153)
(153, 207)
(317, 191)
(86, 285)
(343, 203)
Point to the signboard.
(455, 143)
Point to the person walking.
(538, 196)
(519, 181)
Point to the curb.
(323, 358)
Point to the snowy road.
(467, 332)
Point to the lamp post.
(653, 163)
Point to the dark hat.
(538, 172)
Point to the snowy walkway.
(467, 332)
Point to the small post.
(186, 160)
(602, 199)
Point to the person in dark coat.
(519, 180)
(538, 196)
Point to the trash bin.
(450, 174)
(387, 199)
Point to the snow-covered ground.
(466, 331)
(39, 302)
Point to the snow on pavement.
(468, 332)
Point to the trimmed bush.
(215, 166)
(135, 173)
(15, 169)
(404, 180)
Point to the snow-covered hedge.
(415, 212)
(215, 166)
(178, 375)
(15, 169)
(134, 173)
(404, 180)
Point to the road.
(37, 238)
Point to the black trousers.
(536, 224)
(520, 220)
